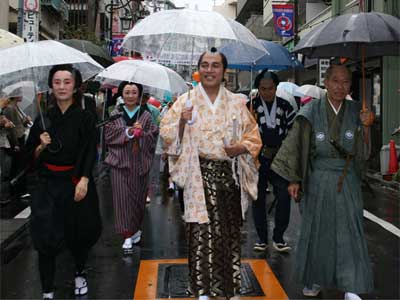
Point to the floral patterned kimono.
(216, 187)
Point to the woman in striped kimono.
(131, 142)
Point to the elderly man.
(208, 138)
(322, 157)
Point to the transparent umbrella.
(24, 89)
(147, 73)
(179, 36)
(33, 61)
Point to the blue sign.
(284, 19)
(116, 45)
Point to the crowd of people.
(221, 154)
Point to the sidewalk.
(377, 178)
(13, 231)
(13, 238)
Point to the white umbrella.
(281, 93)
(147, 73)
(180, 35)
(311, 91)
(8, 39)
(33, 61)
(290, 88)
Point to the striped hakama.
(214, 247)
(129, 199)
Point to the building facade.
(52, 15)
(382, 73)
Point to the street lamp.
(126, 23)
(133, 11)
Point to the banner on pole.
(30, 29)
(116, 45)
(283, 19)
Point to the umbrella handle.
(251, 83)
(364, 100)
(39, 100)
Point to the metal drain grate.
(173, 281)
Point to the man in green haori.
(322, 157)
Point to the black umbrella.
(354, 36)
(95, 51)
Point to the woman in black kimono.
(65, 210)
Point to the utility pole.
(30, 20)
(295, 34)
(111, 20)
(20, 24)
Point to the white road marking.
(386, 225)
(24, 214)
(389, 227)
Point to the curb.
(13, 237)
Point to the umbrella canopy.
(180, 35)
(290, 88)
(33, 61)
(281, 93)
(354, 36)
(311, 91)
(147, 73)
(276, 58)
(96, 52)
(345, 35)
(24, 89)
(8, 39)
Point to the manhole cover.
(173, 281)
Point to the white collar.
(211, 105)
(336, 111)
(270, 116)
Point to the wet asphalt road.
(111, 275)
